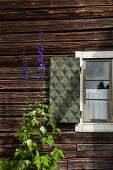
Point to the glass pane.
(97, 94)
(97, 70)
(97, 89)
(97, 84)
(96, 109)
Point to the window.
(81, 90)
(96, 91)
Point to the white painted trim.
(94, 127)
(94, 54)
(91, 127)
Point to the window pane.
(97, 70)
(97, 84)
(97, 89)
(96, 109)
(97, 94)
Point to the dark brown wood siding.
(68, 26)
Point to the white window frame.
(92, 127)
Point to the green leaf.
(57, 154)
(43, 130)
(45, 161)
(24, 108)
(44, 141)
(57, 130)
(18, 152)
(49, 110)
(23, 164)
(29, 144)
(37, 160)
(50, 140)
(45, 106)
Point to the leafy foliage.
(29, 156)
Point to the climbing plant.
(29, 155)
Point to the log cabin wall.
(68, 26)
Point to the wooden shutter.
(65, 89)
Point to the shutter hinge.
(80, 70)
(80, 113)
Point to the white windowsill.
(94, 127)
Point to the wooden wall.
(68, 26)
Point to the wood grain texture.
(6, 64)
(55, 25)
(57, 13)
(15, 4)
(95, 150)
(91, 164)
(56, 37)
(69, 151)
(62, 165)
(75, 137)
(8, 139)
(11, 124)
(56, 47)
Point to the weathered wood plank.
(12, 4)
(9, 139)
(57, 13)
(62, 165)
(6, 62)
(64, 147)
(69, 151)
(12, 124)
(10, 73)
(14, 109)
(90, 163)
(20, 97)
(75, 137)
(95, 150)
(19, 70)
(54, 25)
(56, 47)
(57, 37)
(21, 84)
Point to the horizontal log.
(69, 151)
(67, 154)
(6, 61)
(19, 70)
(22, 84)
(54, 25)
(8, 139)
(56, 37)
(75, 137)
(95, 150)
(57, 13)
(64, 147)
(91, 164)
(22, 76)
(13, 4)
(62, 165)
(20, 97)
(12, 124)
(56, 47)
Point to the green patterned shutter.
(65, 89)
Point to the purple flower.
(25, 69)
(41, 64)
(39, 76)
